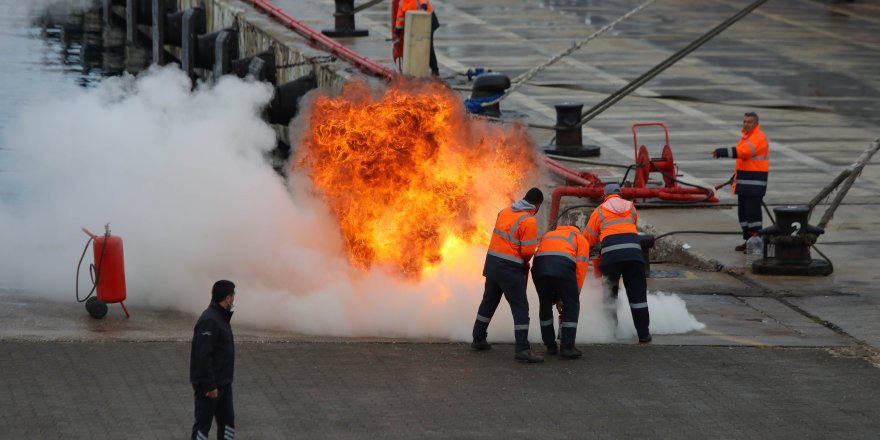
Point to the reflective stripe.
(744, 224)
(591, 232)
(582, 259)
(521, 327)
(201, 436)
(513, 229)
(505, 257)
(751, 182)
(603, 223)
(557, 254)
(482, 318)
(229, 433)
(643, 305)
(753, 225)
(547, 322)
(527, 242)
(618, 247)
(568, 324)
(752, 147)
(731, 152)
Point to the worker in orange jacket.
(512, 245)
(752, 154)
(613, 223)
(400, 21)
(560, 267)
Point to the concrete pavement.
(781, 357)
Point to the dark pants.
(432, 61)
(549, 290)
(750, 215)
(207, 409)
(633, 273)
(511, 283)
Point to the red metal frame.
(588, 185)
(324, 42)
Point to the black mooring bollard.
(344, 21)
(789, 242)
(569, 136)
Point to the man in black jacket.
(212, 361)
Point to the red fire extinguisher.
(107, 272)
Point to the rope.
(521, 79)
(656, 70)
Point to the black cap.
(221, 290)
(534, 196)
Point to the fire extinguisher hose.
(94, 274)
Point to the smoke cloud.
(181, 176)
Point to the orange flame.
(408, 173)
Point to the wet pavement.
(780, 357)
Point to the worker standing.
(559, 270)
(752, 154)
(512, 245)
(613, 223)
(400, 21)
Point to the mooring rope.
(521, 79)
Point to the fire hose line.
(521, 79)
(324, 42)
(93, 273)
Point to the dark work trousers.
(550, 289)
(207, 409)
(633, 273)
(510, 282)
(750, 215)
(432, 61)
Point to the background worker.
(613, 223)
(559, 270)
(512, 245)
(415, 5)
(752, 154)
(212, 361)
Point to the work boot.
(645, 339)
(527, 356)
(552, 350)
(740, 248)
(480, 345)
(570, 353)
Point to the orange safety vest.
(604, 222)
(752, 156)
(410, 5)
(568, 242)
(515, 236)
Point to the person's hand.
(212, 394)
(714, 154)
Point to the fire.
(408, 174)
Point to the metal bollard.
(787, 245)
(344, 21)
(569, 136)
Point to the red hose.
(363, 63)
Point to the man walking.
(212, 360)
(614, 224)
(513, 243)
(752, 154)
(559, 271)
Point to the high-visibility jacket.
(410, 5)
(752, 154)
(514, 238)
(563, 252)
(614, 224)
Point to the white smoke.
(181, 176)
